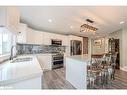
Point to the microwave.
(56, 42)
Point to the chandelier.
(87, 27)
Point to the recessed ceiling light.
(49, 20)
(71, 27)
(122, 22)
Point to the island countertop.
(83, 58)
(18, 71)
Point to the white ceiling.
(107, 19)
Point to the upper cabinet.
(38, 37)
(64, 39)
(31, 36)
(34, 37)
(49, 36)
(10, 18)
(22, 34)
(72, 37)
(28, 35)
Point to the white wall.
(122, 35)
(124, 48)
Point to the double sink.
(21, 60)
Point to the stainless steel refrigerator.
(76, 47)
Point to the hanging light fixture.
(87, 27)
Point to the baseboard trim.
(123, 68)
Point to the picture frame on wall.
(98, 42)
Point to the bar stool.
(110, 72)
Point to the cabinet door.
(65, 41)
(47, 38)
(21, 36)
(38, 37)
(30, 36)
(56, 36)
(60, 37)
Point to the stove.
(57, 60)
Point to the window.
(5, 41)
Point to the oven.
(57, 61)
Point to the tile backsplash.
(35, 49)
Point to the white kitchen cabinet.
(22, 34)
(29, 36)
(72, 37)
(47, 38)
(10, 18)
(38, 37)
(25, 34)
(45, 61)
(65, 40)
(58, 36)
(32, 83)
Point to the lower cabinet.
(45, 61)
(30, 83)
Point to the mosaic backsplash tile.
(35, 49)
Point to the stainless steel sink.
(22, 60)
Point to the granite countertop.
(83, 58)
(18, 71)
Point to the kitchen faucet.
(12, 56)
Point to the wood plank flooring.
(55, 79)
(120, 81)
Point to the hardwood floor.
(120, 81)
(55, 79)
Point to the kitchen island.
(76, 70)
(24, 72)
